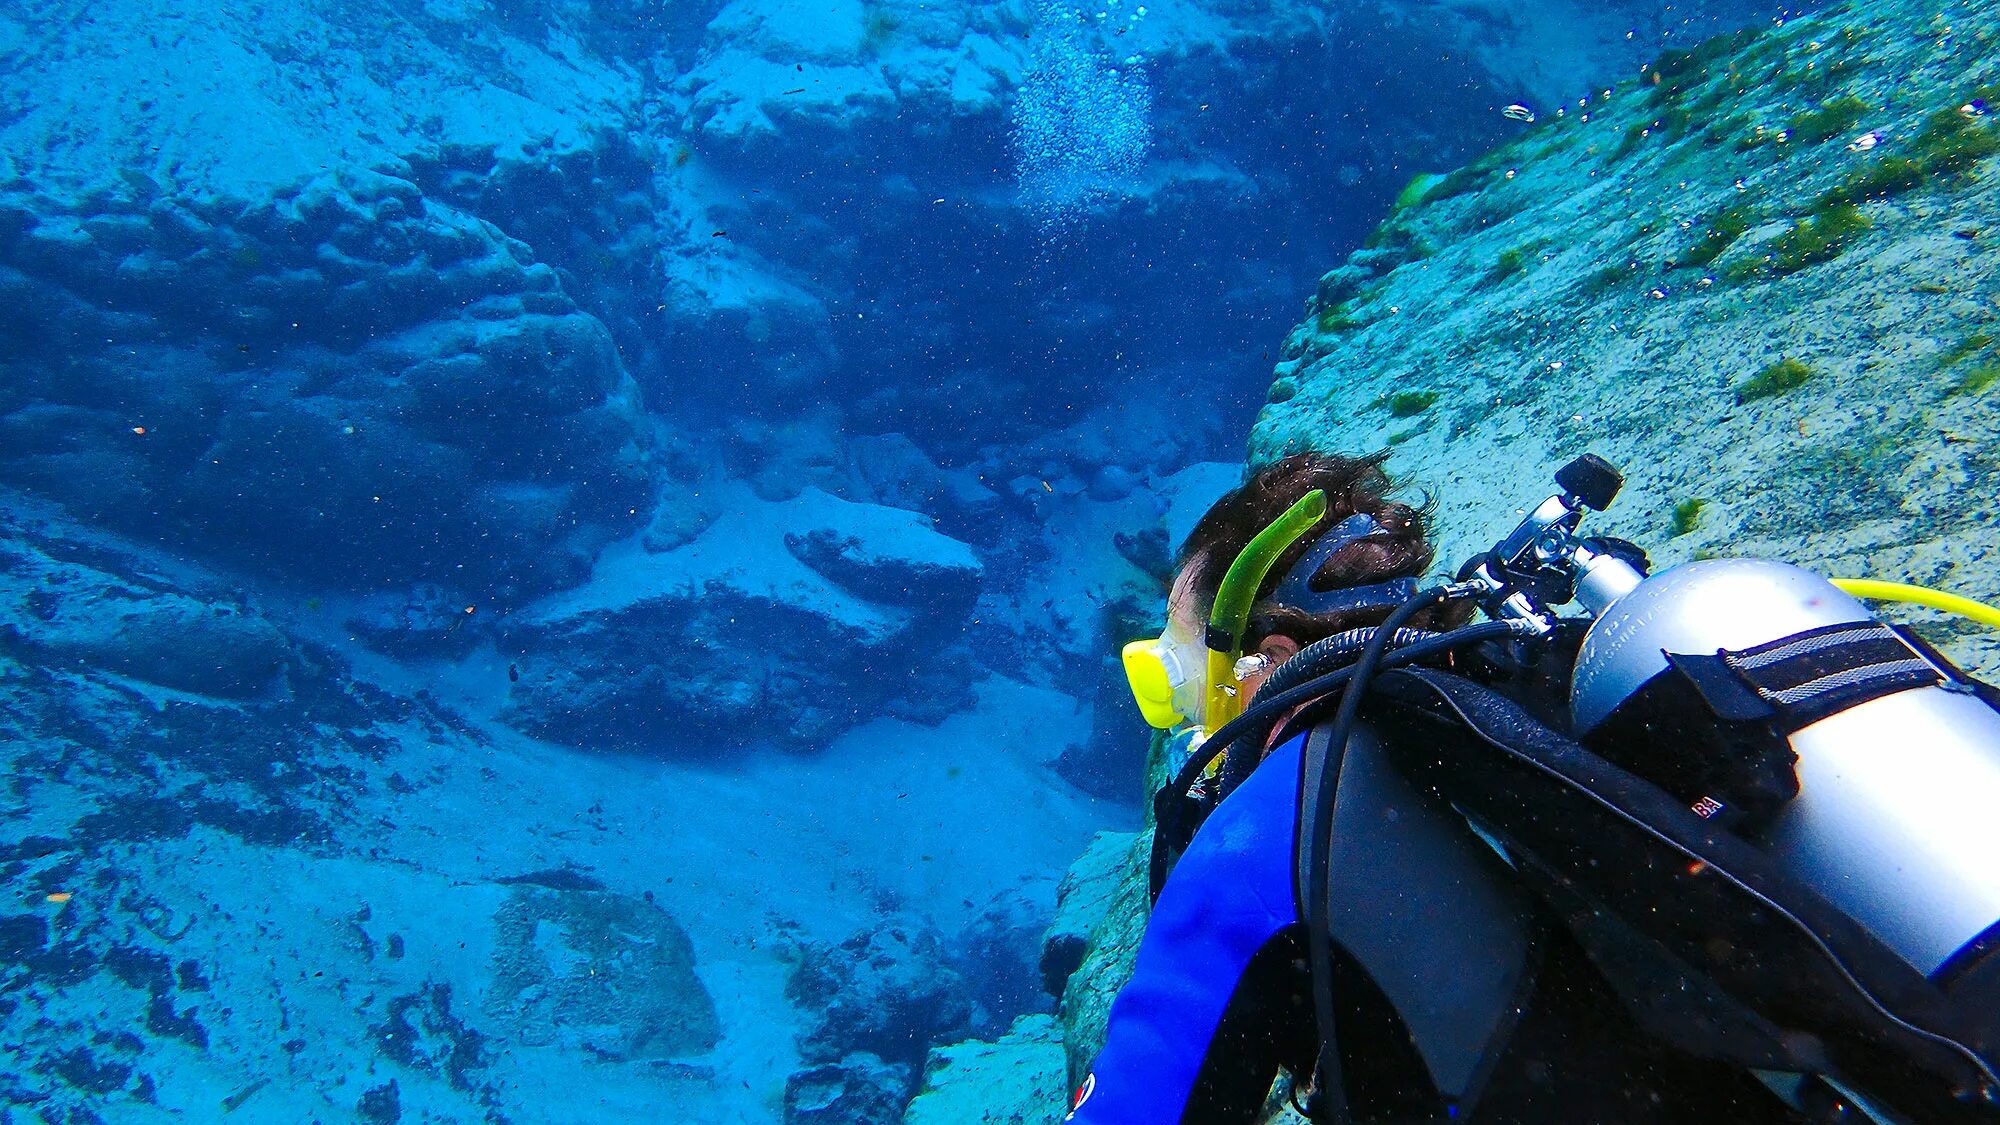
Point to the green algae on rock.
(1820, 237)
(1409, 404)
(1977, 381)
(1776, 378)
(1686, 516)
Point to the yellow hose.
(1921, 595)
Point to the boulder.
(1084, 897)
(425, 620)
(1113, 942)
(343, 381)
(888, 556)
(1113, 482)
(69, 614)
(1016, 1080)
(783, 622)
(890, 469)
(889, 991)
(999, 952)
(604, 972)
(860, 1089)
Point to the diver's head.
(1335, 575)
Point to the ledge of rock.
(731, 637)
(888, 555)
(69, 613)
(1017, 1080)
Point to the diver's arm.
(1190, 1035)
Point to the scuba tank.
(1897, 815)
(1851, 753)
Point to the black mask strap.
(1295, 589)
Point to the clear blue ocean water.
(564, 560)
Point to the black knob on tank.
(1591, 479)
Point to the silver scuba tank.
(1897, 818)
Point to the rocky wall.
(1754, 276)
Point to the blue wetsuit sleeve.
(1229, 895)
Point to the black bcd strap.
(1701, 905)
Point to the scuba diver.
(1723, 849)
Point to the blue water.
(564, 562)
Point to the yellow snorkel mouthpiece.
(1152, 685)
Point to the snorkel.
(1230, 615)
(1180, 678)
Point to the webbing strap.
(1801, 645)
(1847, 680)
(1808, 676)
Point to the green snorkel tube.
(1233, 599)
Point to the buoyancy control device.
(1713, 677)
(1772, 819)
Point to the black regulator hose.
(1272, 702)
(1265, 712)
(1337, 651)
(1329, 1102)
(1316, 659)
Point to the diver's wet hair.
(1351, 484)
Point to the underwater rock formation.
(1739, 244)
(859, 1089)
(342, 381)
(875, 1003)
(235, 98)
(129, 625)
(425, 620)
(1017, 1079)
(608, 973)
(888, 556)
(423, 382)
(889, 991)
(1086, 895)
(227, 871)
(891, 470)
(997, 954)
(785, 623)
(1117, 921)
(810, 100)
